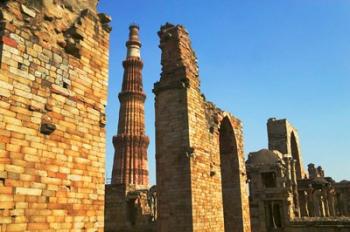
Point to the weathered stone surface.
(199, 149)
(283, 197)
(319, 225)
(52, 146)
(28, 11)
(81, 4)
(272, 184)
(72, 5)
(129, 209)
(284, 138)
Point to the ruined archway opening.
(295, 155)
(229, 176)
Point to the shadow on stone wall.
(38, 4)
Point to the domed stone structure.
(264, 156)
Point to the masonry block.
(49, 125)
(201, 178)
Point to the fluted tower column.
(130, 158)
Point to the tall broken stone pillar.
(284, 138)
(201, 178)
(53, 91)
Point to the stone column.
(331, 202)
(310, 201)
(325, 201)
(317, 203)
(294, 189)
(345, 205)
(304, 212)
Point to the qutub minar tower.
(130, 166)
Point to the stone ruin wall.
(319, 225)
(343, 194)
(283, 137)
(53, 91)
(321, 200)
(191, 182)
(128, 210)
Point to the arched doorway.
(230, 178)
(296, 155)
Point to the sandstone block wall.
(53, 91)
(272, 188)
(199, 149)
(128, 210)
(284, 138)
(116, 215)
(313, 202)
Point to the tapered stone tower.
(130, 166)
(127, 204)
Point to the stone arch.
(294, 148)
(230, 177)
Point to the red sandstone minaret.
(130, 158)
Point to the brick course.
(53, 90)
(195, 188)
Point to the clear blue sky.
(257, 59)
